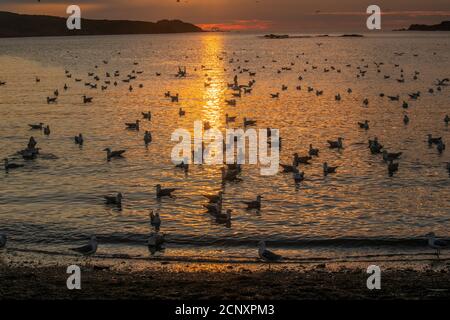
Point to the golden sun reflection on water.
(215, 82)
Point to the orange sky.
(245, 15)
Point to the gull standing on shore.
(89, 249)
(436, 243)
(267, 255)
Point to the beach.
(25, 277)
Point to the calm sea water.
(57, 203)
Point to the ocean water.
(56, 203)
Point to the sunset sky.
(250, 15)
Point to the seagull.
(301, 160)
(163, 192)
(436, 243)
(229, 175)
(223, 217)
(335, 144)
(133, 126)
(364, 125)
(113, 154)
(374, 146)
(440, 147)
(183, 165)
(394, 98)
(79, 139)
(327, 170)
(87, 99)
(392, 168)
(147, 115)
(299, 177)
(442, 82)
(147, 138)
(267, 255)
(214, 208)
(214, 198)
(11, 166)
(366, 102)
(51, 100)
(114, 200)
(88, 249)
(231, 102)
(248, 122)
(2, 240)
(432, 140)
(230, 119)
(312, 151)
(391, 156)
(254, 204)
(288, 168)
(406, 119)
(155, 220)
(36, 126)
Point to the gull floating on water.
(133, 126)
(391, 156)
(440, 147)
(155, 220)
(392, 168)
(254, 204)
(364, 125)
(299, 177)
(11, 166)
(87, 99)
(432, 140)
(336, 144)
(160, 192)
(405, 119)
(114, 200)
(113, 154)
(327, 169)
(301, 160)
(147, 138)
(312, 151)
(147, 115)
(88, 249)
(214, 198)
(223, 217)
(79, 139)
(436, 244)
(36, 126)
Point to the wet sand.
(189, 281)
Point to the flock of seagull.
(231, 173)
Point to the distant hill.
(443, 26)
(20, 25)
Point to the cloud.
(237, 25)
(274, 15)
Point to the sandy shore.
(175, 281)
